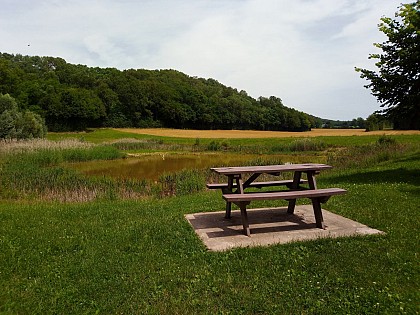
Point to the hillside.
(75, 97)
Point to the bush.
(19, 125)
(386, 141)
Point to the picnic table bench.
(234, 190)
(288, 183)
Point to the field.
(234, 134)
(72, 244)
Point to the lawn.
(140, 256)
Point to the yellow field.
(230, 134)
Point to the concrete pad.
(271, 226)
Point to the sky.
(302, 51)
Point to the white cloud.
(303, 51)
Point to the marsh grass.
(183, 183)
(131, 144)
(384, 149)
(31, 172)
(21, 146)
(37, 173)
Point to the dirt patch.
(231, 134)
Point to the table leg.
(311, 180)
(229, 190)
(244, 217)
(292, 202)
(318, 213)
(228, 210)
(239, 185)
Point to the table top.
(271, 168)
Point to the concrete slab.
(271, 226)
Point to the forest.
(75, 97)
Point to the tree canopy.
(396, 84)
(74, 97)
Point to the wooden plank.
(318, 193)
(271, 168)
(256, 184)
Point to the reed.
(20, 146)
(34, 169)
(132, 144)
(384, 149)
(33, 172)
(183, 183)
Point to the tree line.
(75, 97)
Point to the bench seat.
(287, 183)
(286, 195)
(317, 196)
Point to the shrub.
(385, 141)
(15, 124)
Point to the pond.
(152, 166)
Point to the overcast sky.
(303, 51)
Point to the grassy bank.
(142, 257)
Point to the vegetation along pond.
(152, 166)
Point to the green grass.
(142, 257)
(149, 143)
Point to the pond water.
(153, 166)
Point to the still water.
(153, 166)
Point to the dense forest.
(75, 97)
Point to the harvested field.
(183, 133)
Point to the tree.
(7, 103)
(397, 83)
(15, 124)
(30, 125)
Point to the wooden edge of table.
(270, 168)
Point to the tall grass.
(20, 146)
(384, 149)
(183, 183)
(37, 172)
(29, 171)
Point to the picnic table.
(241, 178)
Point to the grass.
(256, 134)
(28, 172)
(142, 143)
(141, 256)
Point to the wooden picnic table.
(243, 177)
